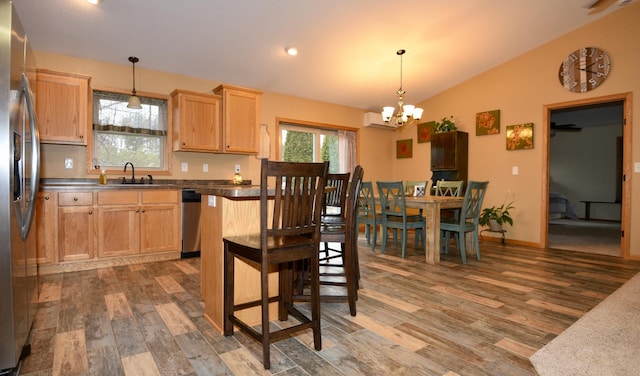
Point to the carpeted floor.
(601, 237)
(605, 341)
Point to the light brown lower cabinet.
(84, 229)
(142, 223)
(75, 226)
(46, 227)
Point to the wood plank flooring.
(483, 318)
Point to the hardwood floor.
(483, 318)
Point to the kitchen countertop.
(243, 191)
(49, 184)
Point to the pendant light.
(406, 114)
(134, 101)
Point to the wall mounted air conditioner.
(374, 120)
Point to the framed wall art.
(404, 148)
(425, 130)
(520, 136)
(487, 122)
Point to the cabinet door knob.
(46, 198)
(90, 212)
(75, 199)
(142, 211)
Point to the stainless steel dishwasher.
(190, 223)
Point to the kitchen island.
(229, 211)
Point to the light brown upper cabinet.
(196, 121)
(62, 105)
(240, 119)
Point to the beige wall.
(519, 88)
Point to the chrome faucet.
(133, 172)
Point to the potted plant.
(495, 216)
(446, 125)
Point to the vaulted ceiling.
(347, 48)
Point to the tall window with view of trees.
(313, 144)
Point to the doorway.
(588, 161)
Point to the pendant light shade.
(134, 101)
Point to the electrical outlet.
(68, 163)
(636, 167)
(514, 170)
(185, 166)
(237, 170)
(205, 167)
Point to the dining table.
(431, 206)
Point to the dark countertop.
(54, 184)
(243, 191)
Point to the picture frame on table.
(419, 190)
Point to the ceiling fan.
(563, 128)
(595, 6)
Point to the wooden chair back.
(366, 201)
(336, 198)
(353, 199)
(298, 199)
(391, 196)
(449, 188)
(472, 205)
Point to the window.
(302, 143)
(122, 134)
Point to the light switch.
(514, 170)
(211, 201)
(185, 166)
(205, 167)
(636, 167)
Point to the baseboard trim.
(75, 266)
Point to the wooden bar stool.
(288, 235)
(346, 272)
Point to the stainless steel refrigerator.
(19, 178)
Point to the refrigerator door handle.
(35, 157)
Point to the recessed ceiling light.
(291, 51)
(94, 2)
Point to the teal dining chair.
(450, 188)
(416, 188)
(394, 216)
(367, 213)
(467, 221)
